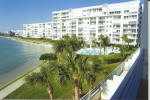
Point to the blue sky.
(14, 13)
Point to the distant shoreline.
(31, 42)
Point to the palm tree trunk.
(91, 85)
(76, 92)
(59, 58)
(100, 48)
(104, 50)
(80, 91)
(50, 91)
(73, 94)
(76, 95)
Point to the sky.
(15, 13)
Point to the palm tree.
(123, 51)
(42, 77)
(28, 35)
(138, 42)
(94, 68)
(100, 40)
(126, 39)
(92, 75)
(74, 66)
(68, 45)
(82, 43)
(62, 45)
(43, 35)
(94, 42)
(104, 41)
(59, 46)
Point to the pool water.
(90, 52)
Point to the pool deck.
(108, 51)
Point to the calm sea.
(17, 58)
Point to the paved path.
(12, 87)
(9, 89)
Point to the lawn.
(38, 91)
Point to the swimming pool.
(90, 52)
(97, 51)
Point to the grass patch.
(38, 91)
(34, 40)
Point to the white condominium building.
(88, 23)
(39, 30)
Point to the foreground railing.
(118, 71)
(128, 89)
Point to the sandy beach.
(30, 42)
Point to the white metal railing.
(117, 71)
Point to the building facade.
(88, 23)
(39, 30)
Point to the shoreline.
(20, 76)
(18, 82)
(29, 41)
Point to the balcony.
(123, 82)
(102, 19)
(129, 27)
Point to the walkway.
(6, 91)
(12, 87)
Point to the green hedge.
(113, 58)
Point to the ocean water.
(17, 58)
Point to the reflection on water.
(17, 58)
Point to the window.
(134, 16)
(126, 11)
(115, 12)
(104, 12)
(99, 9)
(134, 31)
(117, 40)
(117, 30)
(125, 17)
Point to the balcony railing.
(129, 87)
(118, 71)
(129, 27)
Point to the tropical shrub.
(113, 58)
(48, 56)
